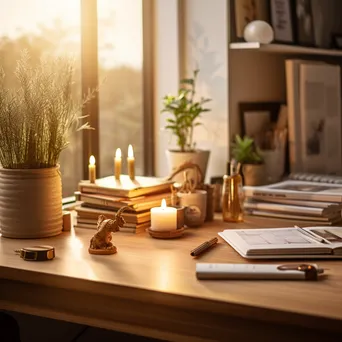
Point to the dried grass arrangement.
(37, 117)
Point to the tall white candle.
(131, 162)
(163, 218)
(92, 169)
(117, 164)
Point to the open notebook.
(286, 243)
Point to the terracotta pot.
(30, 203)
(177, 158)
(254, 174)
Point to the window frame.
(89, 76)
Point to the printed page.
(320, 111)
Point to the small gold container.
(232, 198)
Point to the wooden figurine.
(101, 243)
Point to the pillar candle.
(130, 163)
(92, 169)
(117, 163)
(163, 218)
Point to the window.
(54, 27)
(45, 27)
(120, 63)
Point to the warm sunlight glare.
(29, 16)
(76, 243)
(163, 204)
(78, 254)
(162, 272)
(130, 151)
(92, 160)
(118, 153)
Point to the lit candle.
(117, 163)
(92, 169)
(163, 218)
(130, 163)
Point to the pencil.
(203, 247)
(311, 235)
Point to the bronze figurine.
(101, 243)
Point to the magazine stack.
(107, 195)
(317, 201)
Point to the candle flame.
(163, 203)
(118, 153)
(92, 160)
(130, 151)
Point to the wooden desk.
(149, 288)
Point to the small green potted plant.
(245, 152)
(186, 113)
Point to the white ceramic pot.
(254, 174)
(195, 207)
(177, 158)
(30, 203)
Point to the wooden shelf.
(285, 49)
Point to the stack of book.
(108, 195)
(318, 201)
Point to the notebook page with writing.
(284, 242)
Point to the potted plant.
(36, 119)
(245, 152)
(186, 113)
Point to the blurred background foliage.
(120, 95)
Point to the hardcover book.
(127, 228)
(137, 204)
(297, 190)
(93, 214)
(286, 216)
(329, 211)
(125, 187)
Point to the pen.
(203, 247)
(311, 235)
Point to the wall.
(254, 77)
(166, 73)
(203, 44)
(207, 49)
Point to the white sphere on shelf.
(258, 31)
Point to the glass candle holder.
(232, 198)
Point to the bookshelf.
(257, 73)
(285, 49)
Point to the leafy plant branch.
(37, 117)
(186, 112)
(244, 151)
